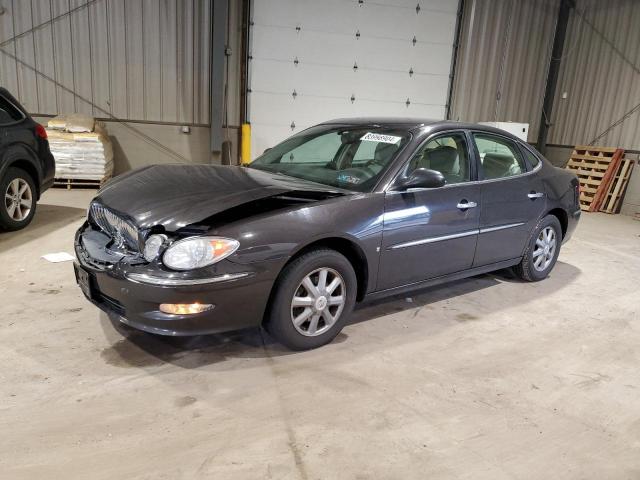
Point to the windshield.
(341, 156)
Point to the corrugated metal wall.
(142, 60)
(503, 61)
(600, 73)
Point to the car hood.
(175, 196)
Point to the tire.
(311, 309)
(532, 268)
(17, 207)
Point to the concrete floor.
(484, 378)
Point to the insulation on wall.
(502, 62)
(130, 59)
(600, 74)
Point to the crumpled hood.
(179, 195)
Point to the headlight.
(152, 246)
(198, 252)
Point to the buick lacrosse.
(347, 210)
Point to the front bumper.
(239, 296)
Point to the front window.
(341, 156)
(446, 154)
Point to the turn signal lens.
(185, 308)
(198, 252)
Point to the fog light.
(185, 308)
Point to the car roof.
(433, 124)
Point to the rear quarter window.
(531, 158)
(8, 113)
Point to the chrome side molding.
(454, 236)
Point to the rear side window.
(8, 113)
(499, 157)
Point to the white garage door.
(315, 60)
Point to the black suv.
(26, 164)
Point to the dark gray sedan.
(348, 210)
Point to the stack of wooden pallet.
(603, 173)
(613, 198)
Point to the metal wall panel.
(146, 60)
(503, 61)
(600, 73)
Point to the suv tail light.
(41, 132)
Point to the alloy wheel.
(18, 199)
(545, 249)
(318, 302)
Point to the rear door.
(512, 198)
(431, 232)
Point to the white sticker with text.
(377, 137)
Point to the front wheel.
(542, 250)
(314, 296)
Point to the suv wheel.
(313, 299)
(18, 199)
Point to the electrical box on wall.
(520, 130)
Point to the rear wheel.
(542, 250)
(18, 204)
(313, 298)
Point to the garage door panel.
(431, 59)
(388, 22)
(274, 42)
(439, 5)
(326, 81)
(381, 53)
(435, 27)
(273, 76)
(327, 48)
(275, 12)
(312, 15)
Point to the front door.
(431, 232)
(512, 199)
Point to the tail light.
(41, 132)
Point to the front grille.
(124, 234)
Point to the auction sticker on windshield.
(377, 137)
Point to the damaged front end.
(107, 239)
(146, 294)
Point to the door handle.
(534, 195)
(463, 205)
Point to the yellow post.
(245, 144)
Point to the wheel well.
(31, 170)
(562, 217)
(351, 251)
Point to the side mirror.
(266, 150)
(422, 178)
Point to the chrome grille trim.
(123, 233)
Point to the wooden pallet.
(613, 197)
(595, 168)
(73, 183)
